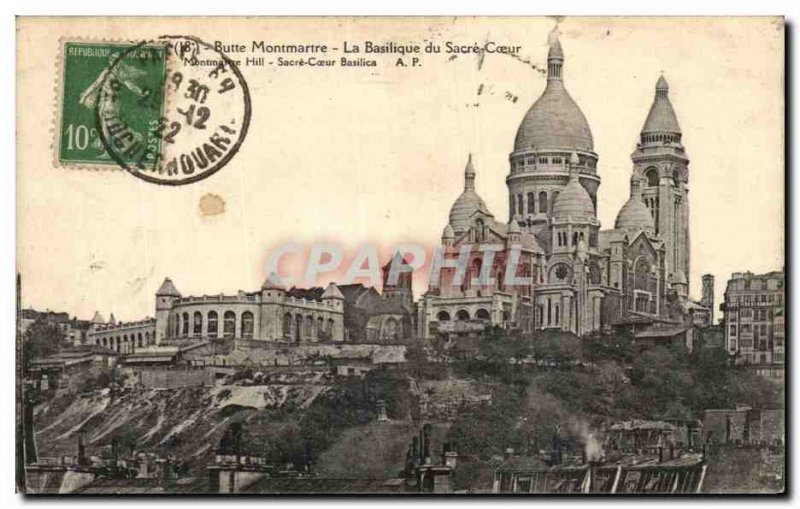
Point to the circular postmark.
(173, 110)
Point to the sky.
(376, 155)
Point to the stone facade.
(753, 317)
(122, 337)
(271, 314)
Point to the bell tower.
(660, 160)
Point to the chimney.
(449, 455)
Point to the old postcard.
(422, 255)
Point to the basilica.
(580, 278)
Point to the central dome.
(554, 122)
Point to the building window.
(310, 326)
(229, 324)
(213, 324)
(247, 325)
(320, 327)
(197, 326)
(139, 338)
(287, 326)
(185, 324)
(520, 204)
(482, 314)
(330, 327)
(462, 315)
(511, 206)
(531, 203)
(733, 330)
(651, 174)
(543, 202)
(298, 328)
(443, 316)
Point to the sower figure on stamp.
(102, 93)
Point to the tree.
(42, 339)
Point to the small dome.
(573, 202)
(448, 232)
(467, 203)
(513, 225)
(634, 215)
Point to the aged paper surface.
(588, 295)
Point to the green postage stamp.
(100, 80)
(171, 110)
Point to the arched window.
(511, 206)
(651, 174)
(177, 325)
(139, 343)
(520, 204)
(287, 326)
(229, 324)
(310, 326)
(213, 324)
(531, 204)
(479, 230)
(298, 328)
(482, 314)
(641, 273)
(185, 324)
(197, 325)
(247, 325)
(330, 327)
(320, 327)
(543, 202)
(574, 238)
(146, 338)
(462, 315)
(443, 316)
